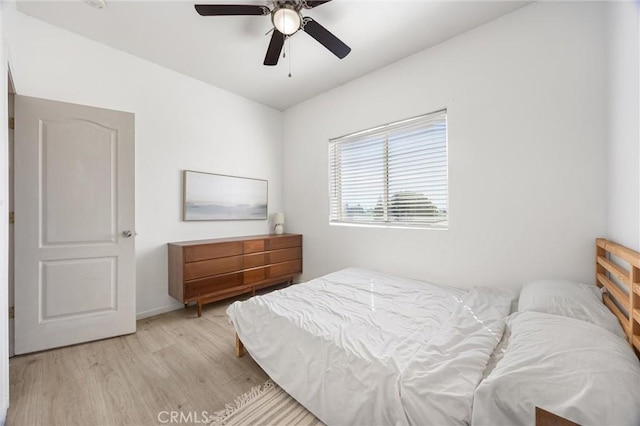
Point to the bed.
(362, 347)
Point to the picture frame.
(209, 196)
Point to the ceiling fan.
(286, 19)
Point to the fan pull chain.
(289, 58)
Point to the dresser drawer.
(210, 267)
(211, 285)
(253, 260)
(284, 242)
(254, 275)
(212, 251)
(278, 256)
(253, 246)
(285, 268)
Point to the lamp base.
(278, 229)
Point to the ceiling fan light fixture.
(286, 20)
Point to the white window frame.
(338, 214)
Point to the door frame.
(10, 191)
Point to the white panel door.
(74, 224)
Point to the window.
(392, 175)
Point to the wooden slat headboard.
(629, 278)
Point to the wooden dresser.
(206, 271)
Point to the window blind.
(391, 175)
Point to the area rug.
(264, 405)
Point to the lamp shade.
(278, 218)
(286, 20)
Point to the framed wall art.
(209, 196)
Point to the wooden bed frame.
(239, 347)
(621, 296)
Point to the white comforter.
(361, 347)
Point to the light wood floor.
(174, 362)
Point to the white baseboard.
(12, 339)
(158, 311)
(3, 410)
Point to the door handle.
(126, 234)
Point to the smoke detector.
(98, 4)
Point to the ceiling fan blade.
(325, 38)
(231, 9)
(310, 4)
(275, 47)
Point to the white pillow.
(569, 367)
(569, 299)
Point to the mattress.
(362, 347)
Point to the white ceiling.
(228, 51)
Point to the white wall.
(624, 124)
(181, 124)
(527, 153)
(4, 223)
